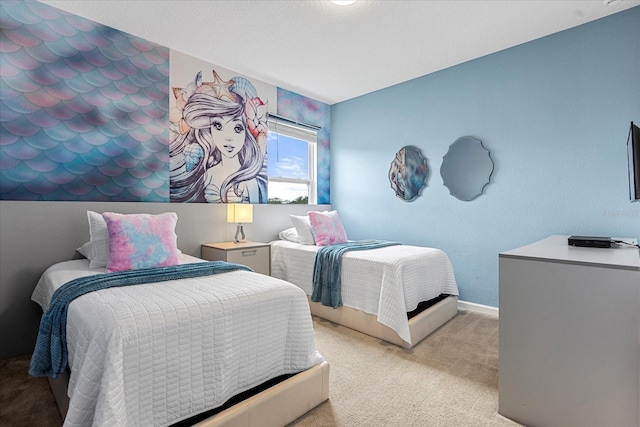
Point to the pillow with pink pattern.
(327, 228)
(141, 240)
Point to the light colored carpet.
(448, 379)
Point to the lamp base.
(239, 233)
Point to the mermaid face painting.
(215, 153)
(228, 135)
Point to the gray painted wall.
(35, 235)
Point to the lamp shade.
(240, 213)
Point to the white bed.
(379, 288)
(159, 353)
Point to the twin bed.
(235, 348)
(398, 293)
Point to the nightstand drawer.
(256, 256)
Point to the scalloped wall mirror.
(408, 173)
(466, 168)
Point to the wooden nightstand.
(252, 254)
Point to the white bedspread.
(152, 355)
(386, 282)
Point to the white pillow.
(97, 249)
(289, 234)
(303, 228)
(85, 250)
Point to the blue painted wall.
(554, 113)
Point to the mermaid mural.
(218, 140)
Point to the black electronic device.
(590, 241)
(633, 155)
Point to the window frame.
(310, 136)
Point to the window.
(291, 162)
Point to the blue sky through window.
(287, 157)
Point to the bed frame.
(276, 406)
(420, 325)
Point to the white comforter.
(386, 282)
(158, 353)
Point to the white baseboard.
(478, 308)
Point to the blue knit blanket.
(327, 286)
(50, 354)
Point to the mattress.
(158, 353)
(386, 282)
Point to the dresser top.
(556, 249)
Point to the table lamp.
(240, 213)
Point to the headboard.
(35, 235)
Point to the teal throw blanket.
(50, 355)
(327, 286)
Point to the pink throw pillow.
(327, 228)
(141, 240)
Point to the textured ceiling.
(332, 53)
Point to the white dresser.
(569, 349)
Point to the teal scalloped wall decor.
(83, 109)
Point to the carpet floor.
(448, 379)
